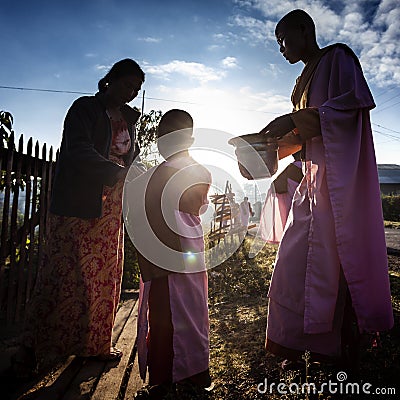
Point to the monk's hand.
(279, 127)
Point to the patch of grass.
(130, 277)
(238, 310)
(392, 224)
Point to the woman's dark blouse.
(83, 167)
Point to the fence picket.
(4, 251)
(12, 284)
(32, 226)
(42, 206)
(21, 286)
(22, 238)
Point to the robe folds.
(173, 322)
(277, 206)
(334, 237)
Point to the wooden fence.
(26, 180)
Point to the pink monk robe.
(338, 222)
(275, 211)
(188, 295)
(187, 290)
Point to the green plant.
(130, 277)
(391, 207)
(147, 131)
(6, 122)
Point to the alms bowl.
(257, 155)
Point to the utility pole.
(144, 91)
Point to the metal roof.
(389, 174)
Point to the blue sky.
(216, 59)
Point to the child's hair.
(119, 69)
(174, 132)
(174, 120)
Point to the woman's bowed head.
(122, 83)
(120, 86)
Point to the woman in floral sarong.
(78, 285)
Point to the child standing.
(173, 330)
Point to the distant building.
(389, 178)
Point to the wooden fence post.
(31, 264)
(12, 284)
(23, 231)
(21, 286)
(6, 209)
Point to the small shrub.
(130, 277)
(391, 207)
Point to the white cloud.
(215, 47)
(219, 36)
(237, 110)
(227, 37)
(370, 29)
(100, 67)
(192, 70)
(265, 102)
(150, 39)
(229, 62)
(272, 69)
(257, 31)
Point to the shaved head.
(297, 19)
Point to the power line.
(174, 101)
(385, 91)
(385, 108)
(388, 135)
(388, 129)
(391, 98)
(144, 97)
(43, 90)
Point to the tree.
(6, 122)
(147, 132)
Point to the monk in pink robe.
(173, 322)
(332, 262)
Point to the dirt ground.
(239, 365)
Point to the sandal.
(114, 355)
(291, 365)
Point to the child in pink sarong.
(173, 325)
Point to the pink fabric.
(188, 294)
(337, 219)
(189, 297)
(276, 210)
(188, 300)
(143, 327)
(244, 213)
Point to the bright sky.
(217, 59)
